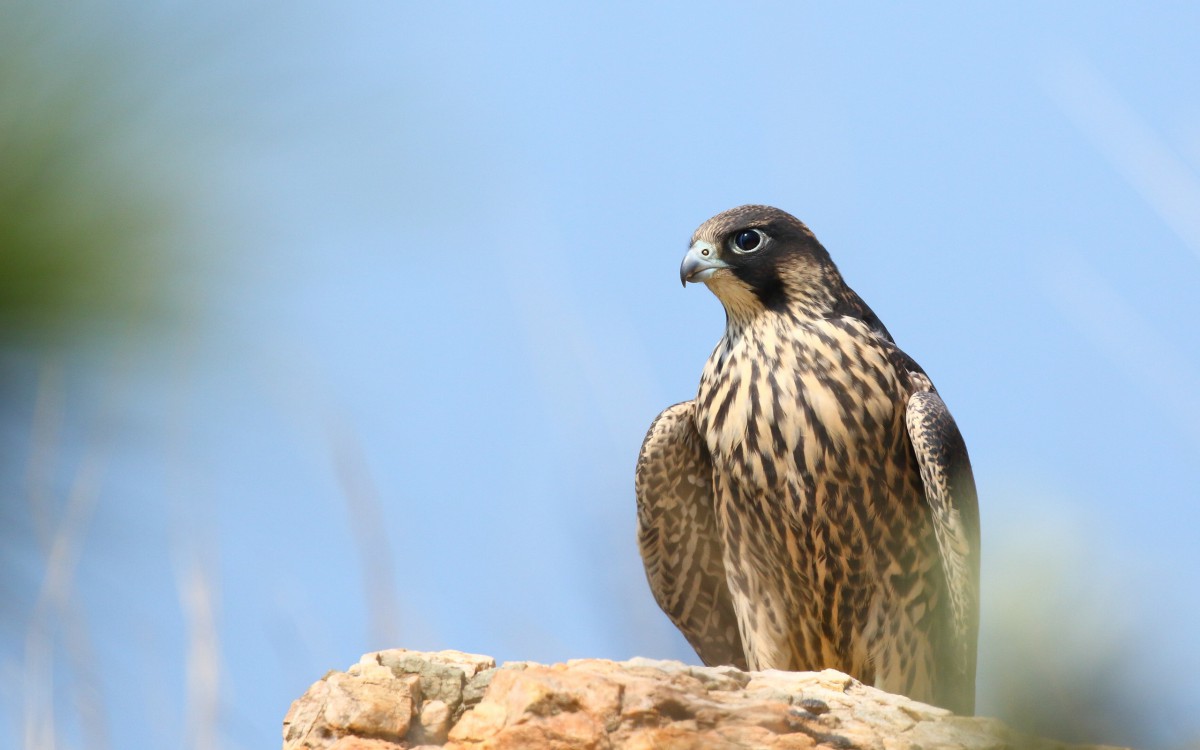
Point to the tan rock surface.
(409, 699)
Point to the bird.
(813, 506)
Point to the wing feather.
(678, 538)
(950, 491)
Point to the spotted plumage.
(813, 506)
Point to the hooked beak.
(700, 263)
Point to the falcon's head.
(758, 258)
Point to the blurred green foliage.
(89, 233)
(1059, 655)
(83, 230)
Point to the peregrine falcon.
(813, 506)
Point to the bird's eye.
(747, 240)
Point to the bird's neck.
(800, 300)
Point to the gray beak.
(700, 263)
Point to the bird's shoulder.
(849, 305)
(854, 311)
(671, 456)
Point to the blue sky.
(442, 244)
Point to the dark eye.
(747, 240)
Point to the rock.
(445, 675)
(368, 703)
(400, 699)
(434, 723)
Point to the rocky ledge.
(409, 699)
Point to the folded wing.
(679, 540)
(950, 492)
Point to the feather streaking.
(813, 506)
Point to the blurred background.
(327, 328)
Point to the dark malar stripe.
(767, 286)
